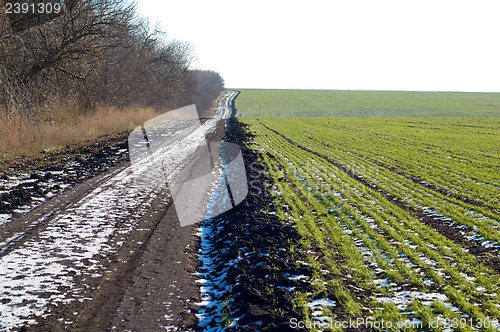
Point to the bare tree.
(209, 85)
(79, 36)
(18, 22)
(97, 52)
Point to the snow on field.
(50, 183)
(41, 270)
(211, 286)
(372, 253)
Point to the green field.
(255, 102)
(338, 179)
(400, 215)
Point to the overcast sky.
(450, 45)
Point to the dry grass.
(60, 126)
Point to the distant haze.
(438, 45)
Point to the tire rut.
(16, 232)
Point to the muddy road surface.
(101, 253)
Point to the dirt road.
(106, 254)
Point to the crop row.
(365, 244)
(471, 220)
(459, 155)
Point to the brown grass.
(60, 126)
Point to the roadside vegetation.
(337, 103)
(93, 68)
(20, 136)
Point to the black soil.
(68, 166)
(251, 247)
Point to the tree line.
(95, 53)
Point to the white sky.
(450, 45)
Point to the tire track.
(72, 260)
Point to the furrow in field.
(402, 258)
(471, 225)
(463, 177)
(428, 217)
